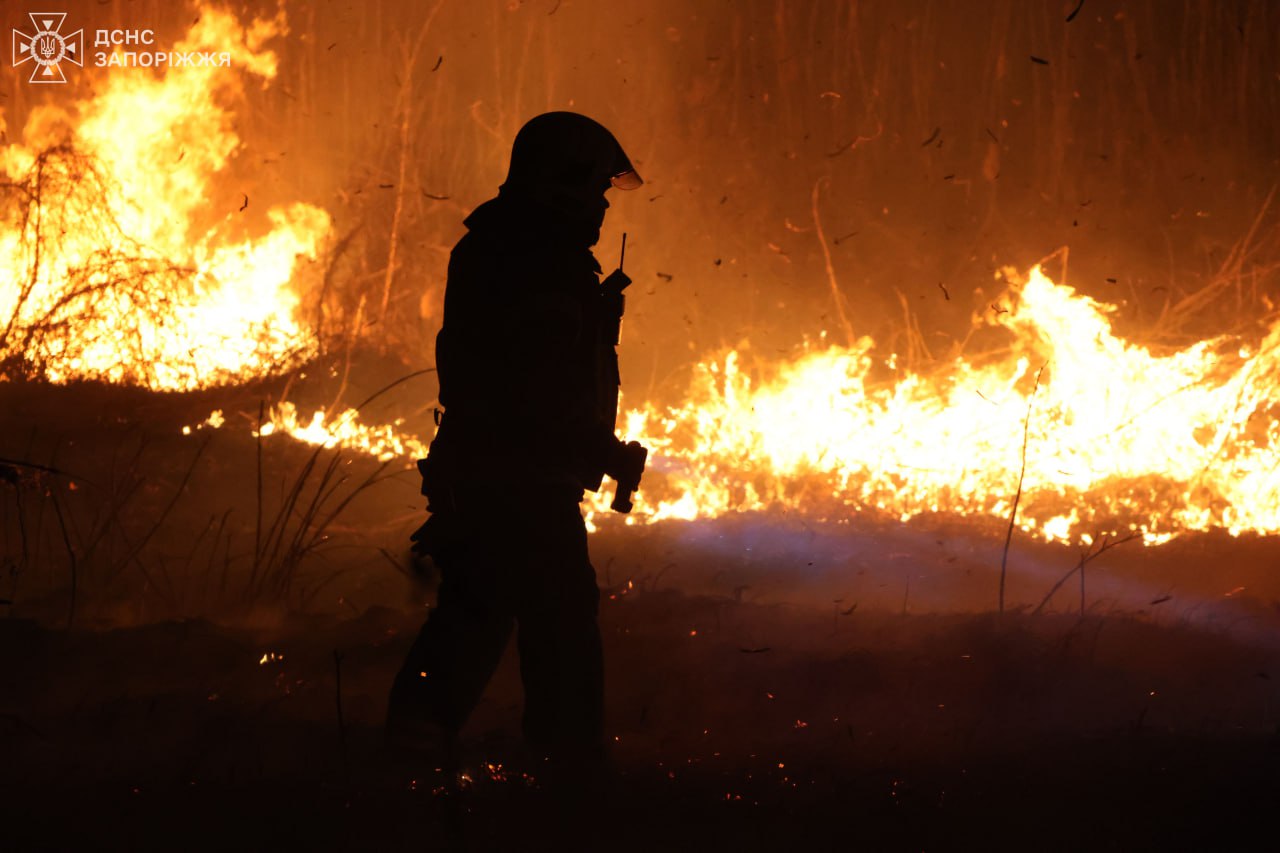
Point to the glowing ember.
(214, 421)
(112, 266)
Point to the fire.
(112, 266)
(384, 441)
(117, 265)
(1117, 437)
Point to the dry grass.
(165, 528)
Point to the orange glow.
(1119, 437)
(120, 271)
(384, 441)
(121, 242)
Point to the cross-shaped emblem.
(47, 48)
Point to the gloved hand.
(622, 460)
(627, 466)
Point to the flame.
(1118, 438)
(384, 441)
(112, 266)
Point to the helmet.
(565, 152)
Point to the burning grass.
(1045, 414)
(1115, 438)
(112, 269)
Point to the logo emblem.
(48, 47)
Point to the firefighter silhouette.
(529, 383)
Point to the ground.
(753, 726)
(773, 683)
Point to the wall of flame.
(130, 249)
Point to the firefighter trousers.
(526, 570)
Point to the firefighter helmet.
(571, 153)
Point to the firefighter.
(529, 385)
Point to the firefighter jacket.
(527, 368)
